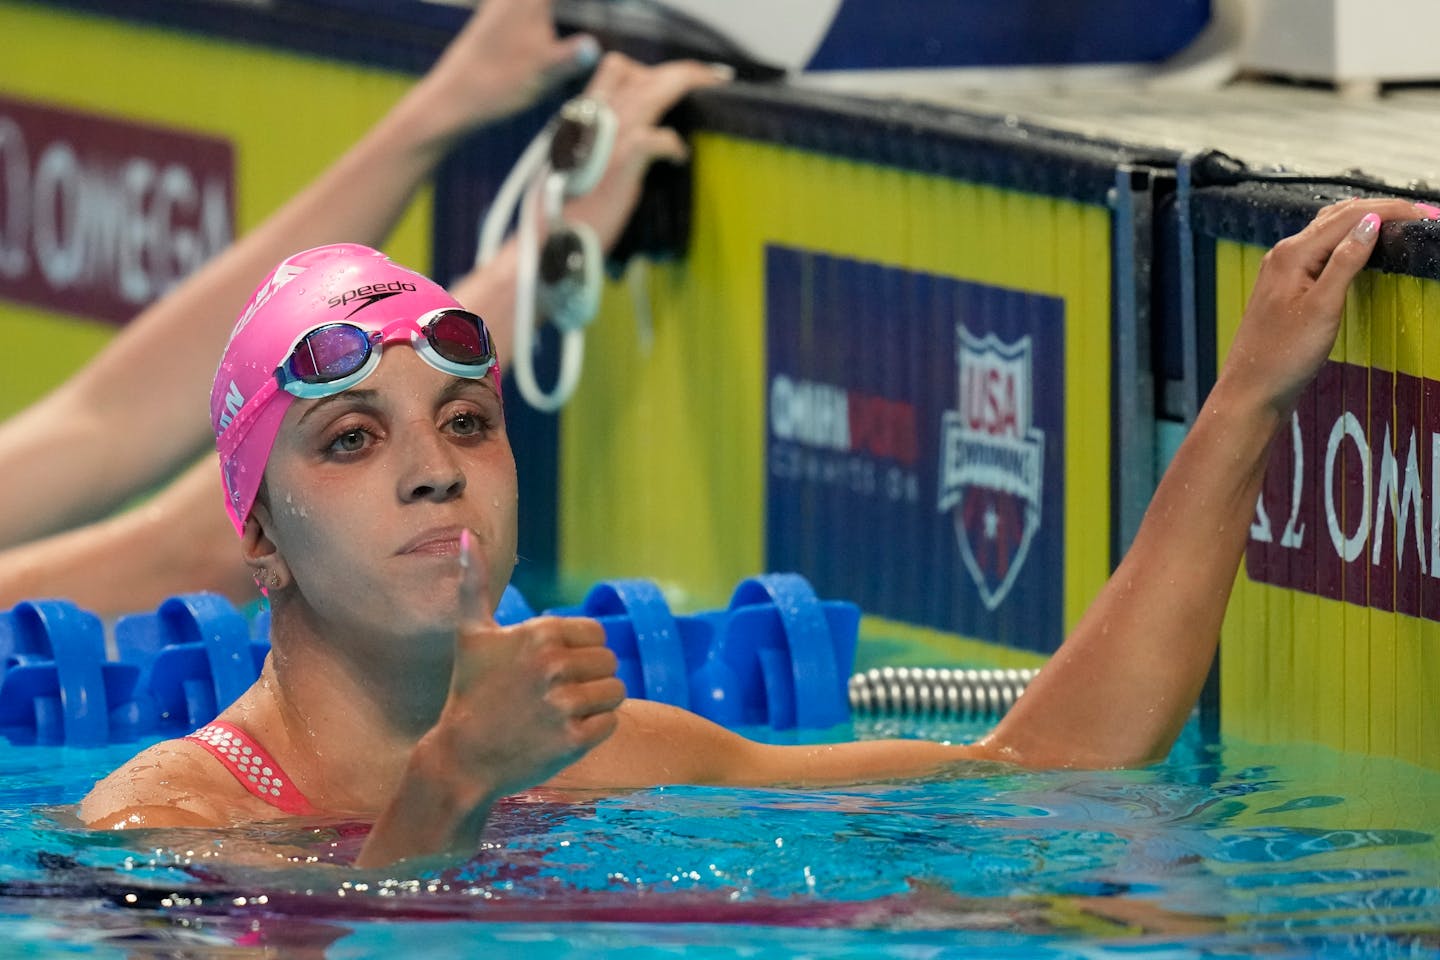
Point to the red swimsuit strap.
(256, 770)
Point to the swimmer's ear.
(260, 552)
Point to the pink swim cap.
(341, 281)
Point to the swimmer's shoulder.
(175, 783)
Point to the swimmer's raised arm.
(1120, 688)
(61, 462)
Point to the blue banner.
(915, 445)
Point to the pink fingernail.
(1431, 211)
(1368, 226)
(465, 547)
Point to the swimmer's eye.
(469, 424)
(349, 441)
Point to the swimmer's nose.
(433, 472)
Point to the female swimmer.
(357, 413)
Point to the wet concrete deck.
(1394, 138)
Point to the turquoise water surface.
(1221, 851)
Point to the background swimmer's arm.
(178, 541)
(1122, 685)
(137, 413)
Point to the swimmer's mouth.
(440, 542)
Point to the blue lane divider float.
(776, 656)
(644, 637)
(196, 656)
(779, 656)
(512, 608)
(58, 687)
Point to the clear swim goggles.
(334, 357)
(561, 277)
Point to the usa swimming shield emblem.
(992, 461)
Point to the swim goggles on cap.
(334, 357)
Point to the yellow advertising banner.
(967, 326)
(1333, 634)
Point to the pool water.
(1221, 851)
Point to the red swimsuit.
(256, 770)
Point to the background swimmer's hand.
(504, 58)
(1293, 316)
(639, 95)
(525, 702)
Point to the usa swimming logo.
(992, 461)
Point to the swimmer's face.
(366, 493)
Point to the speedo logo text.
(371, 293)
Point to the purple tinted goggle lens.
(336, 356)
